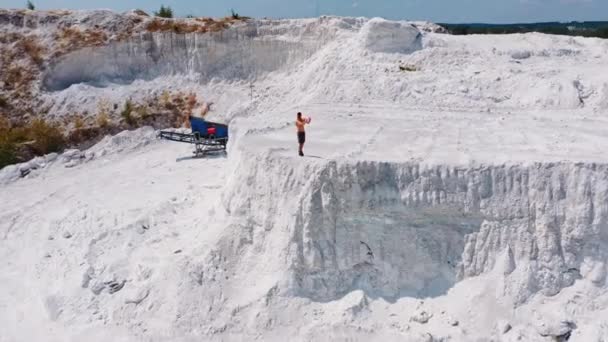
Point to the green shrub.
(8, 152)
(408, 67)
(234, 14)
(142, 111)
(7, 147)
(164, 12)
(127, 113)
(40, 136)
(30, 5)
(46, 137)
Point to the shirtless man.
(300, 123)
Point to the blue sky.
(490, 11)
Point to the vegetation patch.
(164, 12)
(20, 143)
(73, 38)
(198, 25)
(33, 49)
(585, 29)
(408, 67)
(127, 113)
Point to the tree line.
(584, 29)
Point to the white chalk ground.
(145, 215)
(120, 216)
(389, 133)
(134, 240)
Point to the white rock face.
(243, 52)
(379, 35)
(405, 229)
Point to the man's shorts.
(301, 137)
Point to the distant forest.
(585, 29)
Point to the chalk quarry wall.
(396, 230)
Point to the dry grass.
(218, 26)
(32, 48)
(60, 13)
(158, 25)
(47, 137)
(142, 111)
(20, 65)
(102, 120)
(11, 37)
(39, 136)
(79, 123)
(73, 38)
(127, 113)
(198, 25)
(103, 113)
(168, 25)
(165, 98)
(190, 102)
(18, 77)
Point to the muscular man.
(300, 123)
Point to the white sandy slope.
(151, 217)
(464, 201)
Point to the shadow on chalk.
(207, 156)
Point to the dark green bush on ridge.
(164, 12)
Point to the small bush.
(31, 47)
(127, 113)
(46, 137)
(8, 151)
(408, 67)
(165, 99)
(30, 5)
(142, 111)
(103, 113)
(234, 14)
(7, 147)
(78, 123)
(40, 136)
(15, 77)
(191, 101)
(103, 119)
(164, 12)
